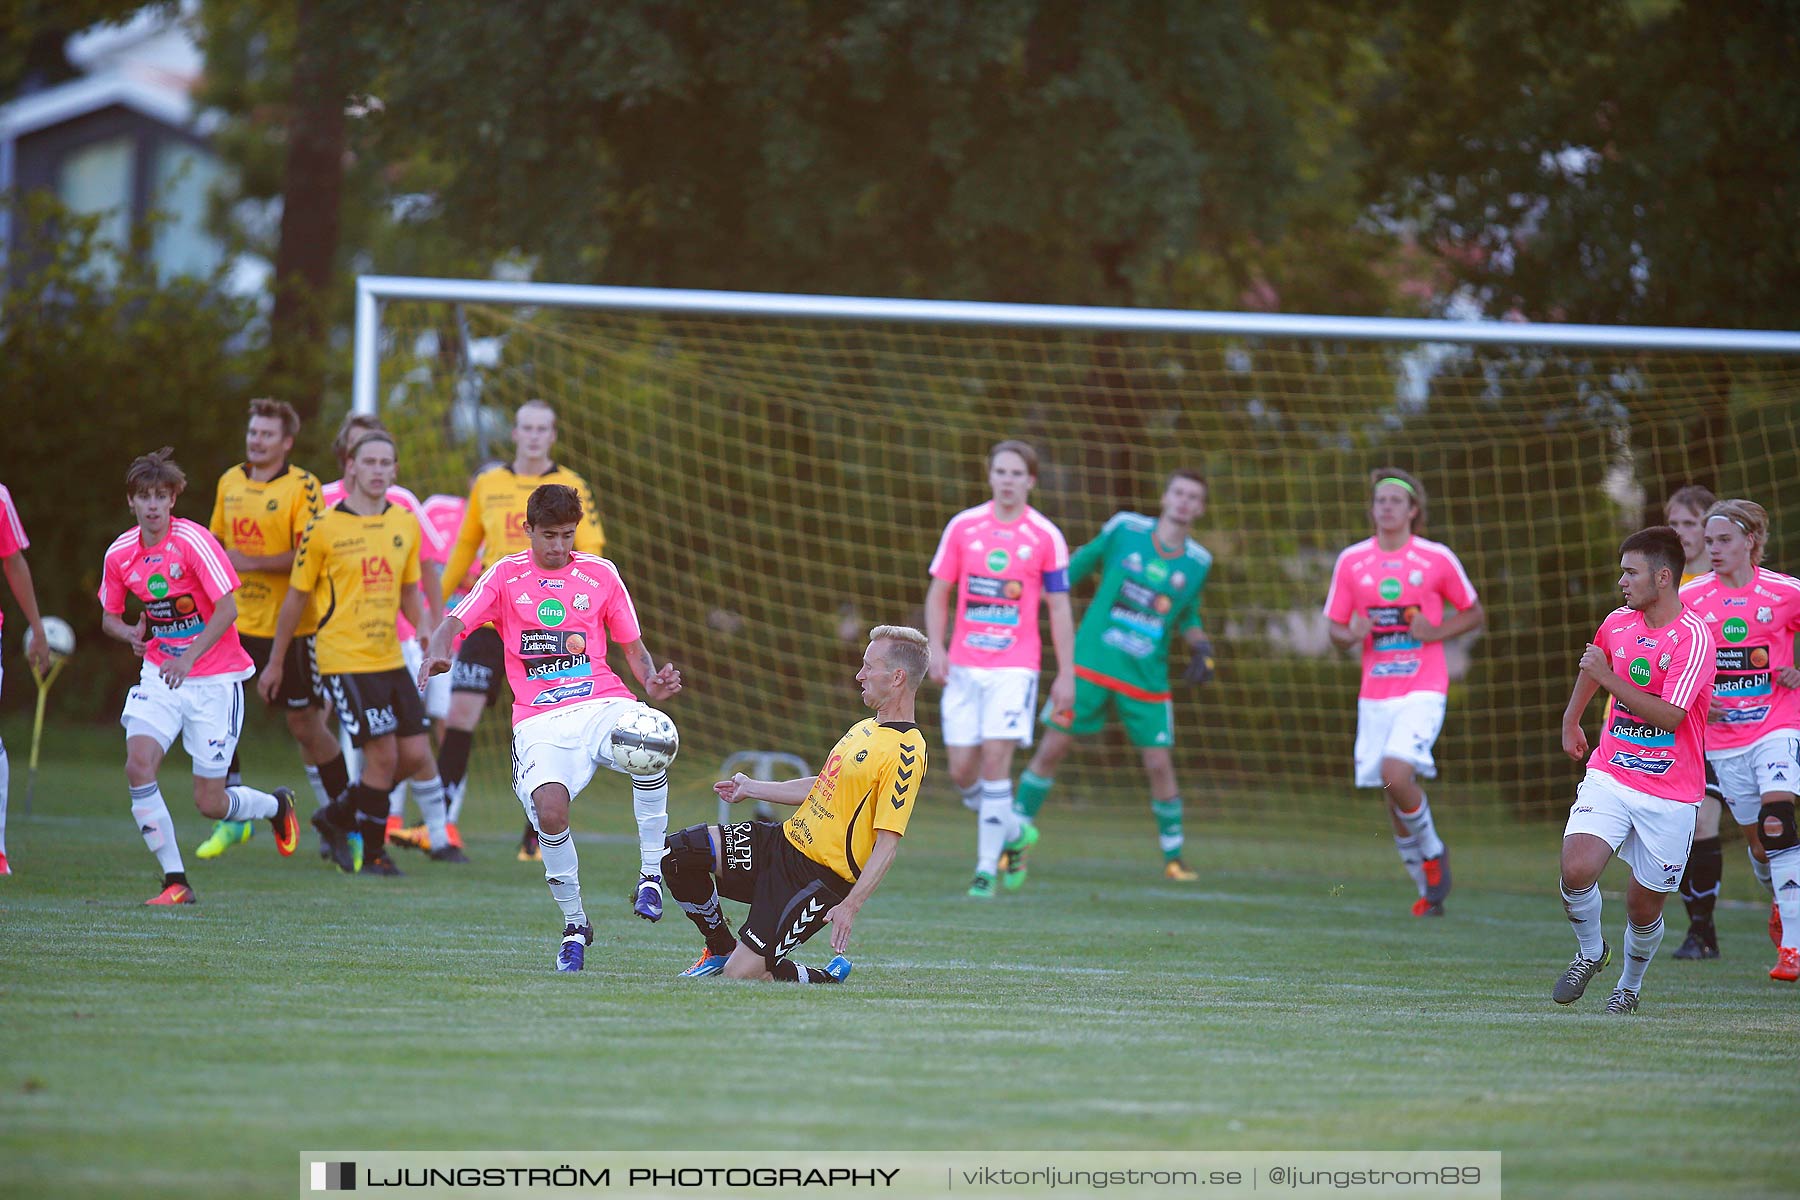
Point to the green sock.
(1168, 826)
(1031, 793)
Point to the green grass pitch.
(1286, 1001)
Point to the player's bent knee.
(689, 850)
(1775, 822)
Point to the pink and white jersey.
(12, 533)
(555, 626)
(444, 514)
(1753, 631)
(1674, 663)
(179, 582)
(433, 546)
(1000, 569)
(1392, 587)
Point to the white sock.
(971, 796)
(1640, 948)
(1002, 789)
(1784, 868)
(397, 800)
(453, 792)
(5, 774)
(158, 828)
(1583, 909)
(245, 803)
(429, 796)
(1764, 875)
(998, 824)
(320, 799)
(650, 802)
(562, 871)
(1412, 860)
(1418, 822)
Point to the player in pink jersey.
(1002, 557)
(18, 576)
(1400, 597)
(1753, 730)
(1654, 658)
(556, 610)
(191, 684)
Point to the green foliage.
(93, 372)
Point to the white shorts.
(1652, 835)
(206, 713)
(982, 704)
(566, 746)
(1404, 727)
(437, 688)
(1766, 765)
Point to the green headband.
(1400, 483)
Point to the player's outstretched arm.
(937, 626)
(1574, 738)
(18, 577)
(843, 913)
(437, 649)
(658, 685)
(791, 792)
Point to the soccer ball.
(58, 634)
(645, 741)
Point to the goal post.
(773, 472)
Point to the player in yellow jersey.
(494, 524)
(260, 509)
(823, 863)
(361, 559)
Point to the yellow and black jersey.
(869, 783)
(494, 521)
(263, 519)
(355, 567)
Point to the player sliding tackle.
(554, 609)
(821, 866)
(1645, 779)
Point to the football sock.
(1700, 882)
(1760, 869)
(334, 777)
(397, 799)
(1785, 867)
(430, 798)
(997, 826)
(1640, 948)
(1168, 826)
(1583, 908)
(1411, 859)
(5, 773)
(971, 796)
(1418, 822)
(1034, 789)
(699, 899)
(453, 767)
(158, 828)
(317, 784)
(788, 971)
(234, 774)
(244, 803)
(650, 803)
(370, 805)
(562, 871)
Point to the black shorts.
(788, 893)
(480, 664)
(376, 704)
(301, 686)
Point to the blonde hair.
(908, 650)
(1750, 517)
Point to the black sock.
(453, 756)
(788, 971)
(694, 892)
(1700, 883)
(171, 878)
(334, 775)
(371, 805)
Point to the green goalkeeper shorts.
(1148, 723)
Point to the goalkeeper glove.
(1200, 664)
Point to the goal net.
(772, 487)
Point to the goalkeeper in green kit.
(1151, 577)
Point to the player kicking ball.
(820, 866)
(555, 610)
(1654, 658)
(192, 682)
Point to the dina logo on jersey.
(157, 586)
(551, 612)
(1735, 630)
(1389, 589)
(997, 560)
(1640, 671)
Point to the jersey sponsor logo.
(983, 587)
(1628, 728)
(1648, 766)
(245, 531)
(1389, 589)
(1765, 615)
(998, 560)
(1736, 629)
(157, 585)
(1156, 572)
(568, 691)
(1148, 623)
(580, 603)
(1134, 562)
(1746, 716)
(1639, 671)
(989, 642)
(1393, 642)
(376, 571)
(1136, 593)
(993, 614)
(1416, 578)
(1754, 683)
(585, 578)
(1648, 643)
(1178, 580)
(552, 612)
(1129, 641)
(1395, 669)
(551, 585)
